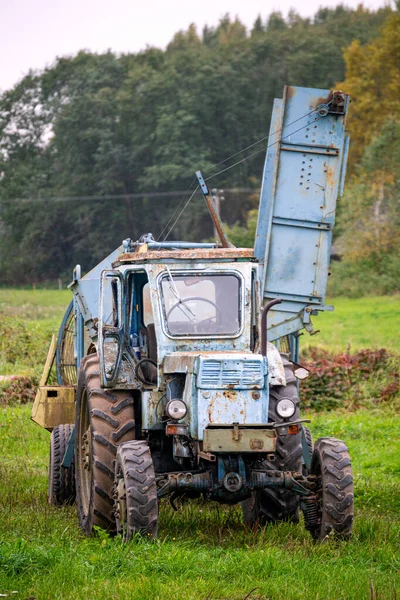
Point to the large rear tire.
(61, 490)
(272, 505)
(135, 491)
(104, 420)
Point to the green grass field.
(204, 551)
(372, 322)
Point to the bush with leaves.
(349, 380)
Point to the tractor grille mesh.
(227, 373)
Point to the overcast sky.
(34, 32)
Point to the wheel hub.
(120, 509)
(86, 450)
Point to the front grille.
(237, 373)
(210, 373)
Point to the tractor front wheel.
(103, 420)
(135, 491)
(331, 510)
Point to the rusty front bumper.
(240, 438)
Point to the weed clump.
(17, 390)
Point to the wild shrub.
(349, 380)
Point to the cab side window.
(147, 307)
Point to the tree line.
(100, 147)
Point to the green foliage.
(365, 277)
(102, 125)
(372, 79)
(244, 236)
(369, 221)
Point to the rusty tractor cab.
(177, 362)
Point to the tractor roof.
(144, 254)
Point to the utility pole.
(217, 197)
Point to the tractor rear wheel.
(272, 505)
(104, 420)
(331, 510)
(135, 491)
(61, 490)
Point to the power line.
(249, 156)
(135, 196)
(181, 213)
(178, 193)
(176, 209)
(259, 142)
(264, 148)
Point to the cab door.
(111, 326)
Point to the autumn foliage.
(349, 380)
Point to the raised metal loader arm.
(303, 175)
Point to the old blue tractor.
(178, 363)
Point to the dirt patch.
(16, 390)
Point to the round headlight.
(176, 409)
(285, 408)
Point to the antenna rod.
(213, 211)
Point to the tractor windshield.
(201, 305)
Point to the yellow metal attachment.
(54, 405)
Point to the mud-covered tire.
(104, 420)
(61, 488)
(309, 440)
(272, 505)
(310, 444)
(334, 501)
(135, 491)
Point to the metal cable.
(264, 148)
(181, 213)
(246, 158)
(260, 140)
(132, 196)
(177, 208)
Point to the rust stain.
(330, 177)
(199, 254)
(290, 91)
(335, 97)
(210, 409)
(256, 444)
(231, 396)
(322, 100)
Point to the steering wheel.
(197, 298)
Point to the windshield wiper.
(175, 292)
